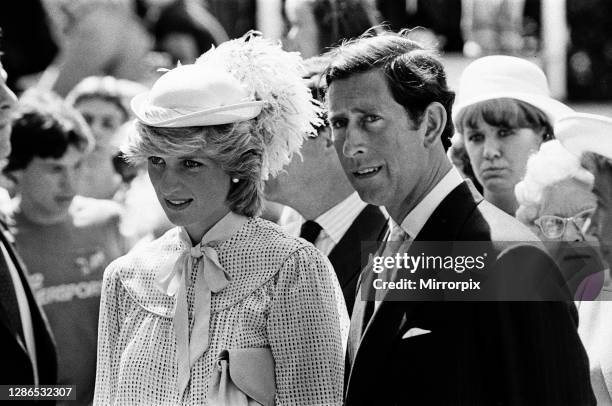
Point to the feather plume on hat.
(275, 77)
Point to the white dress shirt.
(334, 223)
(418, 216)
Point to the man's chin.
(371, 196)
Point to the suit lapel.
(7, 307)
(446, 221)
(43, 338)
(366, 229)
(348, 257)
(444, 224)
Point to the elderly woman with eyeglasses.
(589, 137)
(556, 202)
(225, 308)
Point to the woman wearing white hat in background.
(590, 136)
(503, 112)
(225, 308)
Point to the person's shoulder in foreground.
(29, 355)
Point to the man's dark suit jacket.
(477, 353)
(16, 367)
(351, 253)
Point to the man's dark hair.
(44, 126)
(415, 75)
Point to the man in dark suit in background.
(390, 113)
(28, 351)
(338, 222)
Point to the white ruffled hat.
(195, 95)
(582, 132)
(501, 76)
(241, 79)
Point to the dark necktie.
(9, 297)
(310, 231)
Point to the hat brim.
(553, 109)
(171, 118)
(583, 132)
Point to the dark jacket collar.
(367, 229)
(448, 219)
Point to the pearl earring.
(235, 180)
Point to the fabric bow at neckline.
(171, 282)
(211, 277)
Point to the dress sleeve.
(304, 330)
(107, 365)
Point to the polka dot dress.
(283, 295)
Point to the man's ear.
(434, 120)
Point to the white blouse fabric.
(282, 294)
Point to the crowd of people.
(211, 235)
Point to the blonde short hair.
(230, 146)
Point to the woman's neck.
(505, 200)
(197, 231)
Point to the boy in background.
(66, 240)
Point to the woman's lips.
(177, 204)
(493, 172)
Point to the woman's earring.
(235, 180)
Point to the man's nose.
(353, 143)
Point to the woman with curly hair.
(225, 308)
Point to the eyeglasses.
(554, 226)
